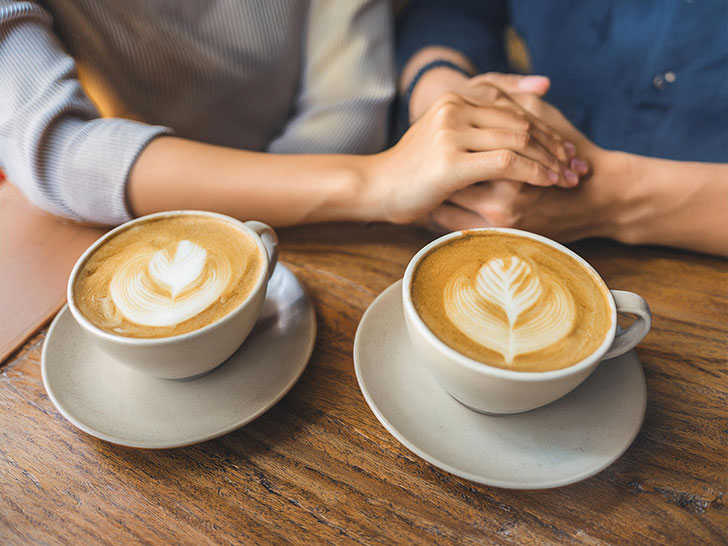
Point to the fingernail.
(572, 177)
(570, 149)
(554, 177)
(534, 83)
(579, 166)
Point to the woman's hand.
(441, 80)
(459, 142)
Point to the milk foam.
(156, 289)
(487, 308)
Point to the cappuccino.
(511, 302)
(168, 276)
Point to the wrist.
(422, 58)
(371, 183)
(349, 190)
(620, 197)
(431, 85)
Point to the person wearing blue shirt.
(641, 89)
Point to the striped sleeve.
(53, 144)
(347, 82)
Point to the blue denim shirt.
(645, 76)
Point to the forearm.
(173, 173)
(465, 32)
(53, 144)
(471, 27)
(673, 203)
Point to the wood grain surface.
(318, 468)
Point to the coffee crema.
(167, 276)
(511, 302)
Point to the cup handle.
(270, 240)
(627, 339)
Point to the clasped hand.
(490, 155)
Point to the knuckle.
(521, 122)
(486, 77)
(526, 123)
(534, 105)
(523, 139)
(539, 173)
(449, 98)
(504, 159)
(554, 146)
(558, 146)
(446, 114)
(490, 91)
(498, 93)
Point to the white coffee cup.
(492, 390)
(196, 352)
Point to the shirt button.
(662, 80)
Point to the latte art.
(492, 308)
(511, 301)
(164, 290)
(168, 276)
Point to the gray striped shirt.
(283, 76)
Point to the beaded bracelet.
(423, 70)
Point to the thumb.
(516, 83)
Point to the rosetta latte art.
(513, 287)
(157, 289)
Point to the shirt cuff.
(95, 160)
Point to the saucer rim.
(447, 467)
(119, 441)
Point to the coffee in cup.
(511, 302)
(173, 294)
(508, 321)
(167, 276)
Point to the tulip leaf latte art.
(168, 276)
(150, 289)
(511, 302)
(476, 307)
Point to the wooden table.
(319, 468)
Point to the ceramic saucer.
(114, 403)
(562, 443)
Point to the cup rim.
(146, 341)
(481, 367)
